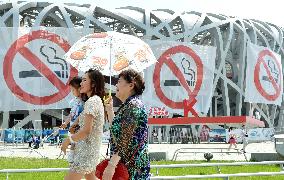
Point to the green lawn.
(213, 170)
(27, 163)
(30, 163)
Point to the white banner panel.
(33, 73)
(182, 71)
(254, 135)
(261, 134)
(264, 81)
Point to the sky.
(268, 11)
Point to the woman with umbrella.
(112, 53)
(89, 138)
(129, 130)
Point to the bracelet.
(71, 140)
(111, 164)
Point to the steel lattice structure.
(229, 34)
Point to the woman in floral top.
(89, 138)
(129, 130)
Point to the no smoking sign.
(20, 47)
(180, 74)
(271, 74)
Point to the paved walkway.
(53, 152)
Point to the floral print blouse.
(129, 136)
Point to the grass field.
(27, 163)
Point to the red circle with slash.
(19, 47)
(165, 59)
(261, 90)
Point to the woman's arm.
(115, 159)
(85, 130)
(81, 134)
(91, 109)
(110, 169)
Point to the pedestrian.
(244, 138)
(232, 139)
(30, 140)
(89, 137)
(129, 129)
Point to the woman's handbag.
(121, 171)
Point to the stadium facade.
(228, 34)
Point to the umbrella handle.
(110, 47)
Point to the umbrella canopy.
(110, 52)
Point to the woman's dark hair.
(75, 82)
(97, 82)
(132, 76)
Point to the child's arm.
(73, 127)
(76, 121)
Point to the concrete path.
(53, 152)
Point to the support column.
(168, 134)
(53, 123)
(150, 136)
(5, 123)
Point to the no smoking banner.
(19, 46)
(179, 74)
(34, 72)
(265, 85)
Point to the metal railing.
(10, 171)
(205, 150)
(217, 165)
(225, 176)
(157, 167)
